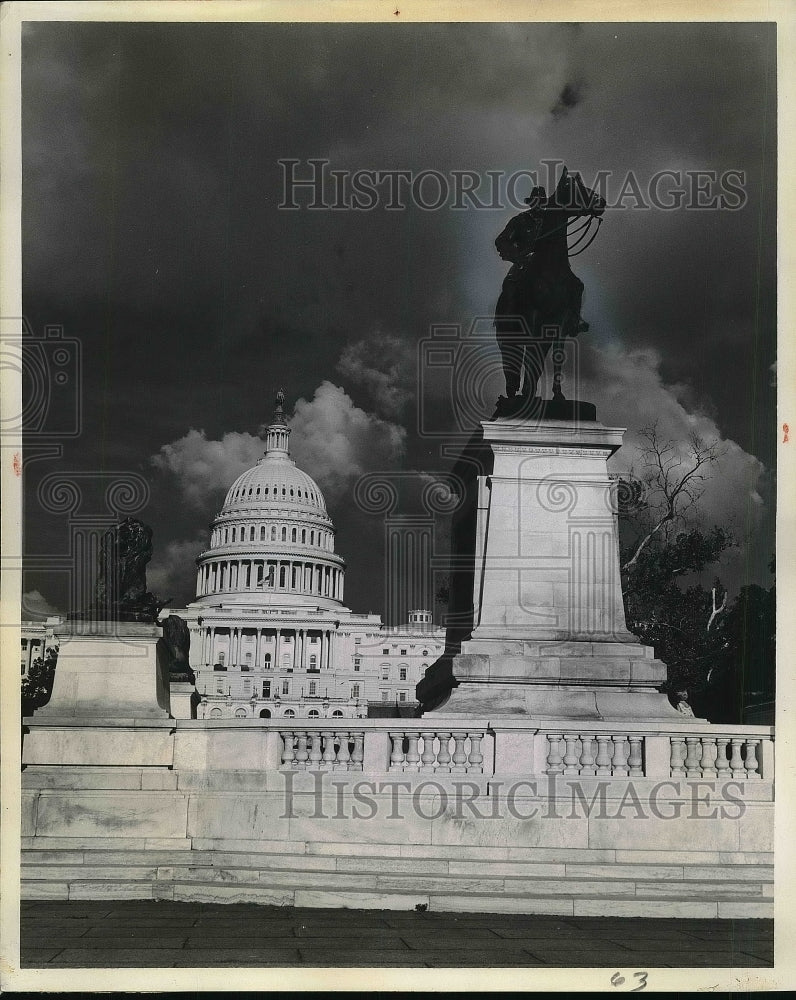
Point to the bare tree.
(673, 482)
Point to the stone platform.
(503, 817)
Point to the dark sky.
(152, 234)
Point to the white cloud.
(629, 392)
(336, 442)
(332, 439)
(35, 607)
(383, 365)
(204, 468)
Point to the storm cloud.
(151, 231)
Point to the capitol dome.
(272, 541)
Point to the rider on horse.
(541, 298)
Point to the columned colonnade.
(289, 575)
(274, 641)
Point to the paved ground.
(142, 934)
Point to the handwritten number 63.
(619, 980)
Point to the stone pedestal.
(536, 599)
(110, 699)
(109, 670)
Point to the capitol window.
(240, 713)
(262, 534)
(273, 533)
(402, 696)
(284, 532)
(293, 535)
(285, 687)
(313, 714)
(402, 674)
(313, 687)
(289, 713)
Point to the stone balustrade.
(723, 755)
(513, 748)
(437, 751)
(506, 748)
(323, 749)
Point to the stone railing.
(476, 747)
(323, 749)
(728, 753)
(437, 751)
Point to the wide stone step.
(718, 905)
(57, 864)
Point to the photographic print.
(390, 449)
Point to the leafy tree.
(37, 685)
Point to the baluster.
(619, 766)
(737, 765)
(288, 749)
(301, 750)
(459, 756)
(329, 750)
(572, 754)
(358, 754)
(692, 756)
(709, 754)
(476, 759)
(554, 758)
(677, 756)
(444, 756)
(412, 756)
(752, 763)
(397, 752)
(315, 750)
(587, 758)
(343, 762)
(722, 764)
(429, 755)
(635, 760)
(604, 755)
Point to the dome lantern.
(277, 433)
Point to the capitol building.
(270, 635)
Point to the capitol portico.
(270, 634)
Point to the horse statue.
(540, 300)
